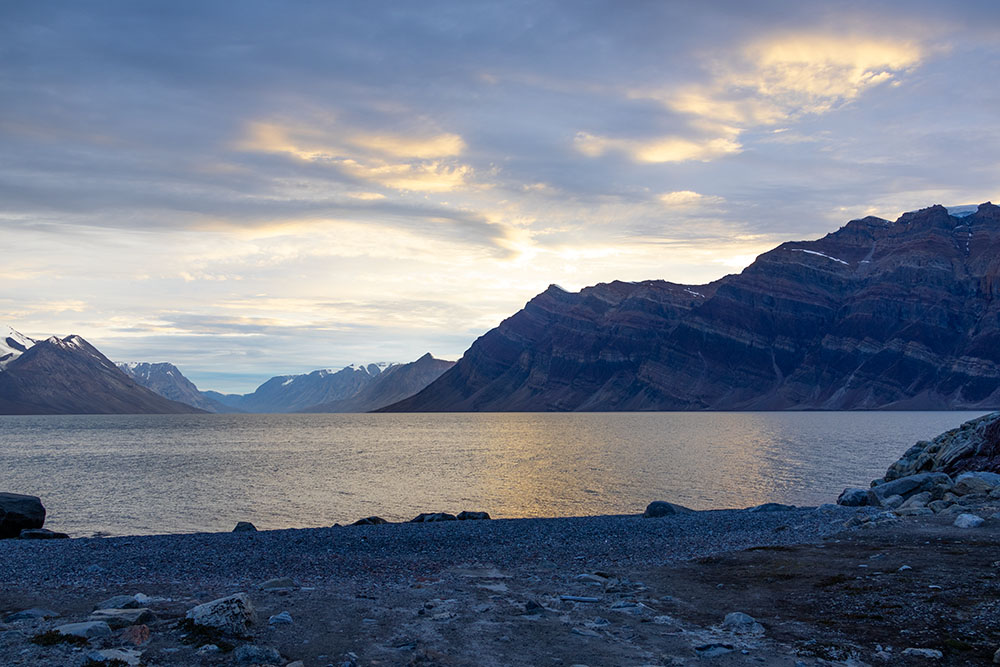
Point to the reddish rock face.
(877, 315)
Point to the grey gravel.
(401, 550)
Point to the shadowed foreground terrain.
(648, 591)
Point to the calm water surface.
(186, 473)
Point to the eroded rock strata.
(877, 315)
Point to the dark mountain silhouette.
(877, 315)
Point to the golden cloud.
(422, 163)
(661, 149)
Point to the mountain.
(70, 376)
(877, 315)
(291, 393)
(168, 381)
(394, 384)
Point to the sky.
(263, 188)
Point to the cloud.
(785, 76)
(419, 162)
(658, 149)
(687, 199)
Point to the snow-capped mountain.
(168, 381)
(291, 393)
(394, 383)
(70, 376)
(12, 345)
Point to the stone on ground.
(968, 521)
(19, 512)
(86, 629)
(658, 508)
(122, 618)
(245, 527)
(233, 614)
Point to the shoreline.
(606, 590)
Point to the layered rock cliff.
(877, 315)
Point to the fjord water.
(143, 474)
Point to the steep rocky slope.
(70, 376)
(394, 384)
(167, 380)
(877, 315)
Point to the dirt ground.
(861, 597)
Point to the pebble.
(930, 653)
(904, 568)
(968, 521)
(207, 649)
(578, 598)
(712, 650)
(282, 618)
(256, 655)
(741, 623)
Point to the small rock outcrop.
(975, 445)
(659, 508)
(370, 521)
(233, 615)
(473, 516)
(18, 512)
(42, 534)
(429, 517)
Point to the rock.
(297, 663)
(658, 508)
(713, 650)
(277, 584)
(740, 623)
(914, 511)
(18, 512)
(917, 500)
(973, 446)
(892, 502)
(428, 517)
(585, 632)
(121, 618)
(41, 534)
(853, 497)
(137, 635)
(207, 649)
(904, 568)
(88, 629)
(939, 505)
(245, 527)
(31, 614)
(125, 655)
(119, 602)
(473, 516)
(968, 521)
(931, 653)
(282, 618)
(912, 484)
(996, 657)
(970, 484)
(233, 614)
(250, 654)
(370, 521)
(771, 507)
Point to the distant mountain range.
(877, 315)
(70, 376)
(355, 388)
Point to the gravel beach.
(605, 590)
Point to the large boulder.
(18, 513)
(975, 445)
(912, 485)
(659, 508)
(233, 615)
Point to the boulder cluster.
(956, 471)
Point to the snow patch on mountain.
(813, 252)
(12, 344)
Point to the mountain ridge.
(876, 315)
